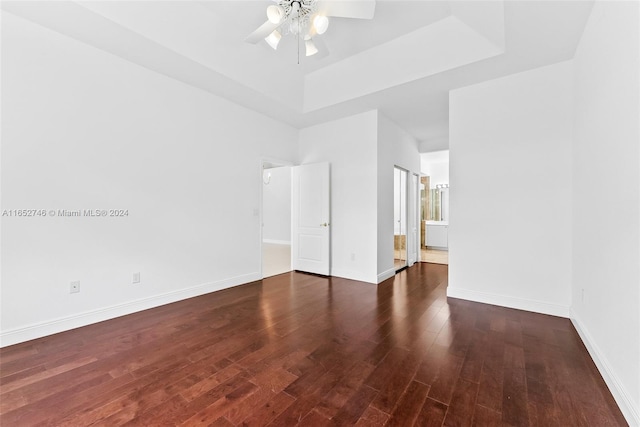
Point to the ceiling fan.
(307, 19)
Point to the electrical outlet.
(74, 287)
(353, 256)
(135, 278)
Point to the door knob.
(324, 224)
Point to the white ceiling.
(403, 62)
(435, 157)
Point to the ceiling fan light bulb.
(320, 23)
(273, 39)
(275, 13)
(310, 48)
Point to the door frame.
(415, 214)
(406, 217)
(420, 214)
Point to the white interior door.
(310, 218)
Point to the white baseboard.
(352, 275)
(439, 248)
(346, 274)
(277, 242)
(42, 329)
(386, 275)
(629, 409)
(509, 301)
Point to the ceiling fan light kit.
(273, 39)
(306, 19)
(275, 14)
(320, 23)
(310, 47)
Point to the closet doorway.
(400, 218)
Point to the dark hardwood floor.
(297, 349)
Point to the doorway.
(434, 201)
(399, 218)
(276, 219)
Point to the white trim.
(277, 163)
(509, 301)
(61, 324)
(386, 275)
(628, 408)
(352, 275)
(277, 242)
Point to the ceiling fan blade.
(360, 9)
(263, 31)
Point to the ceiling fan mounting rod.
(305, 7)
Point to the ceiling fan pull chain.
(298, 41)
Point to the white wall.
(395, 148)
(276, 205)
(510, 166)
(438, 172)
(83, 129)
(363, 150)
(349, 145)
(606, 198)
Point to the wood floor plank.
(125, 409)
(410, 405)
(443, 385)
(389, 395)
(372, 417)
(431, 363)
(236, 413)
(220, 407)
(338, 396)
(432, 414)
(84, 408)
(474, 358)
(356, 406)
(314, 418)
(485, 417)
(463, 404)
(22, 408)
(159, 414)
(514, 393)
(209, 383)
(386, 368)
(298, 349)
(221, 422)
(491, 374)
(262, 415)
(274, 379)
(295, 412)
